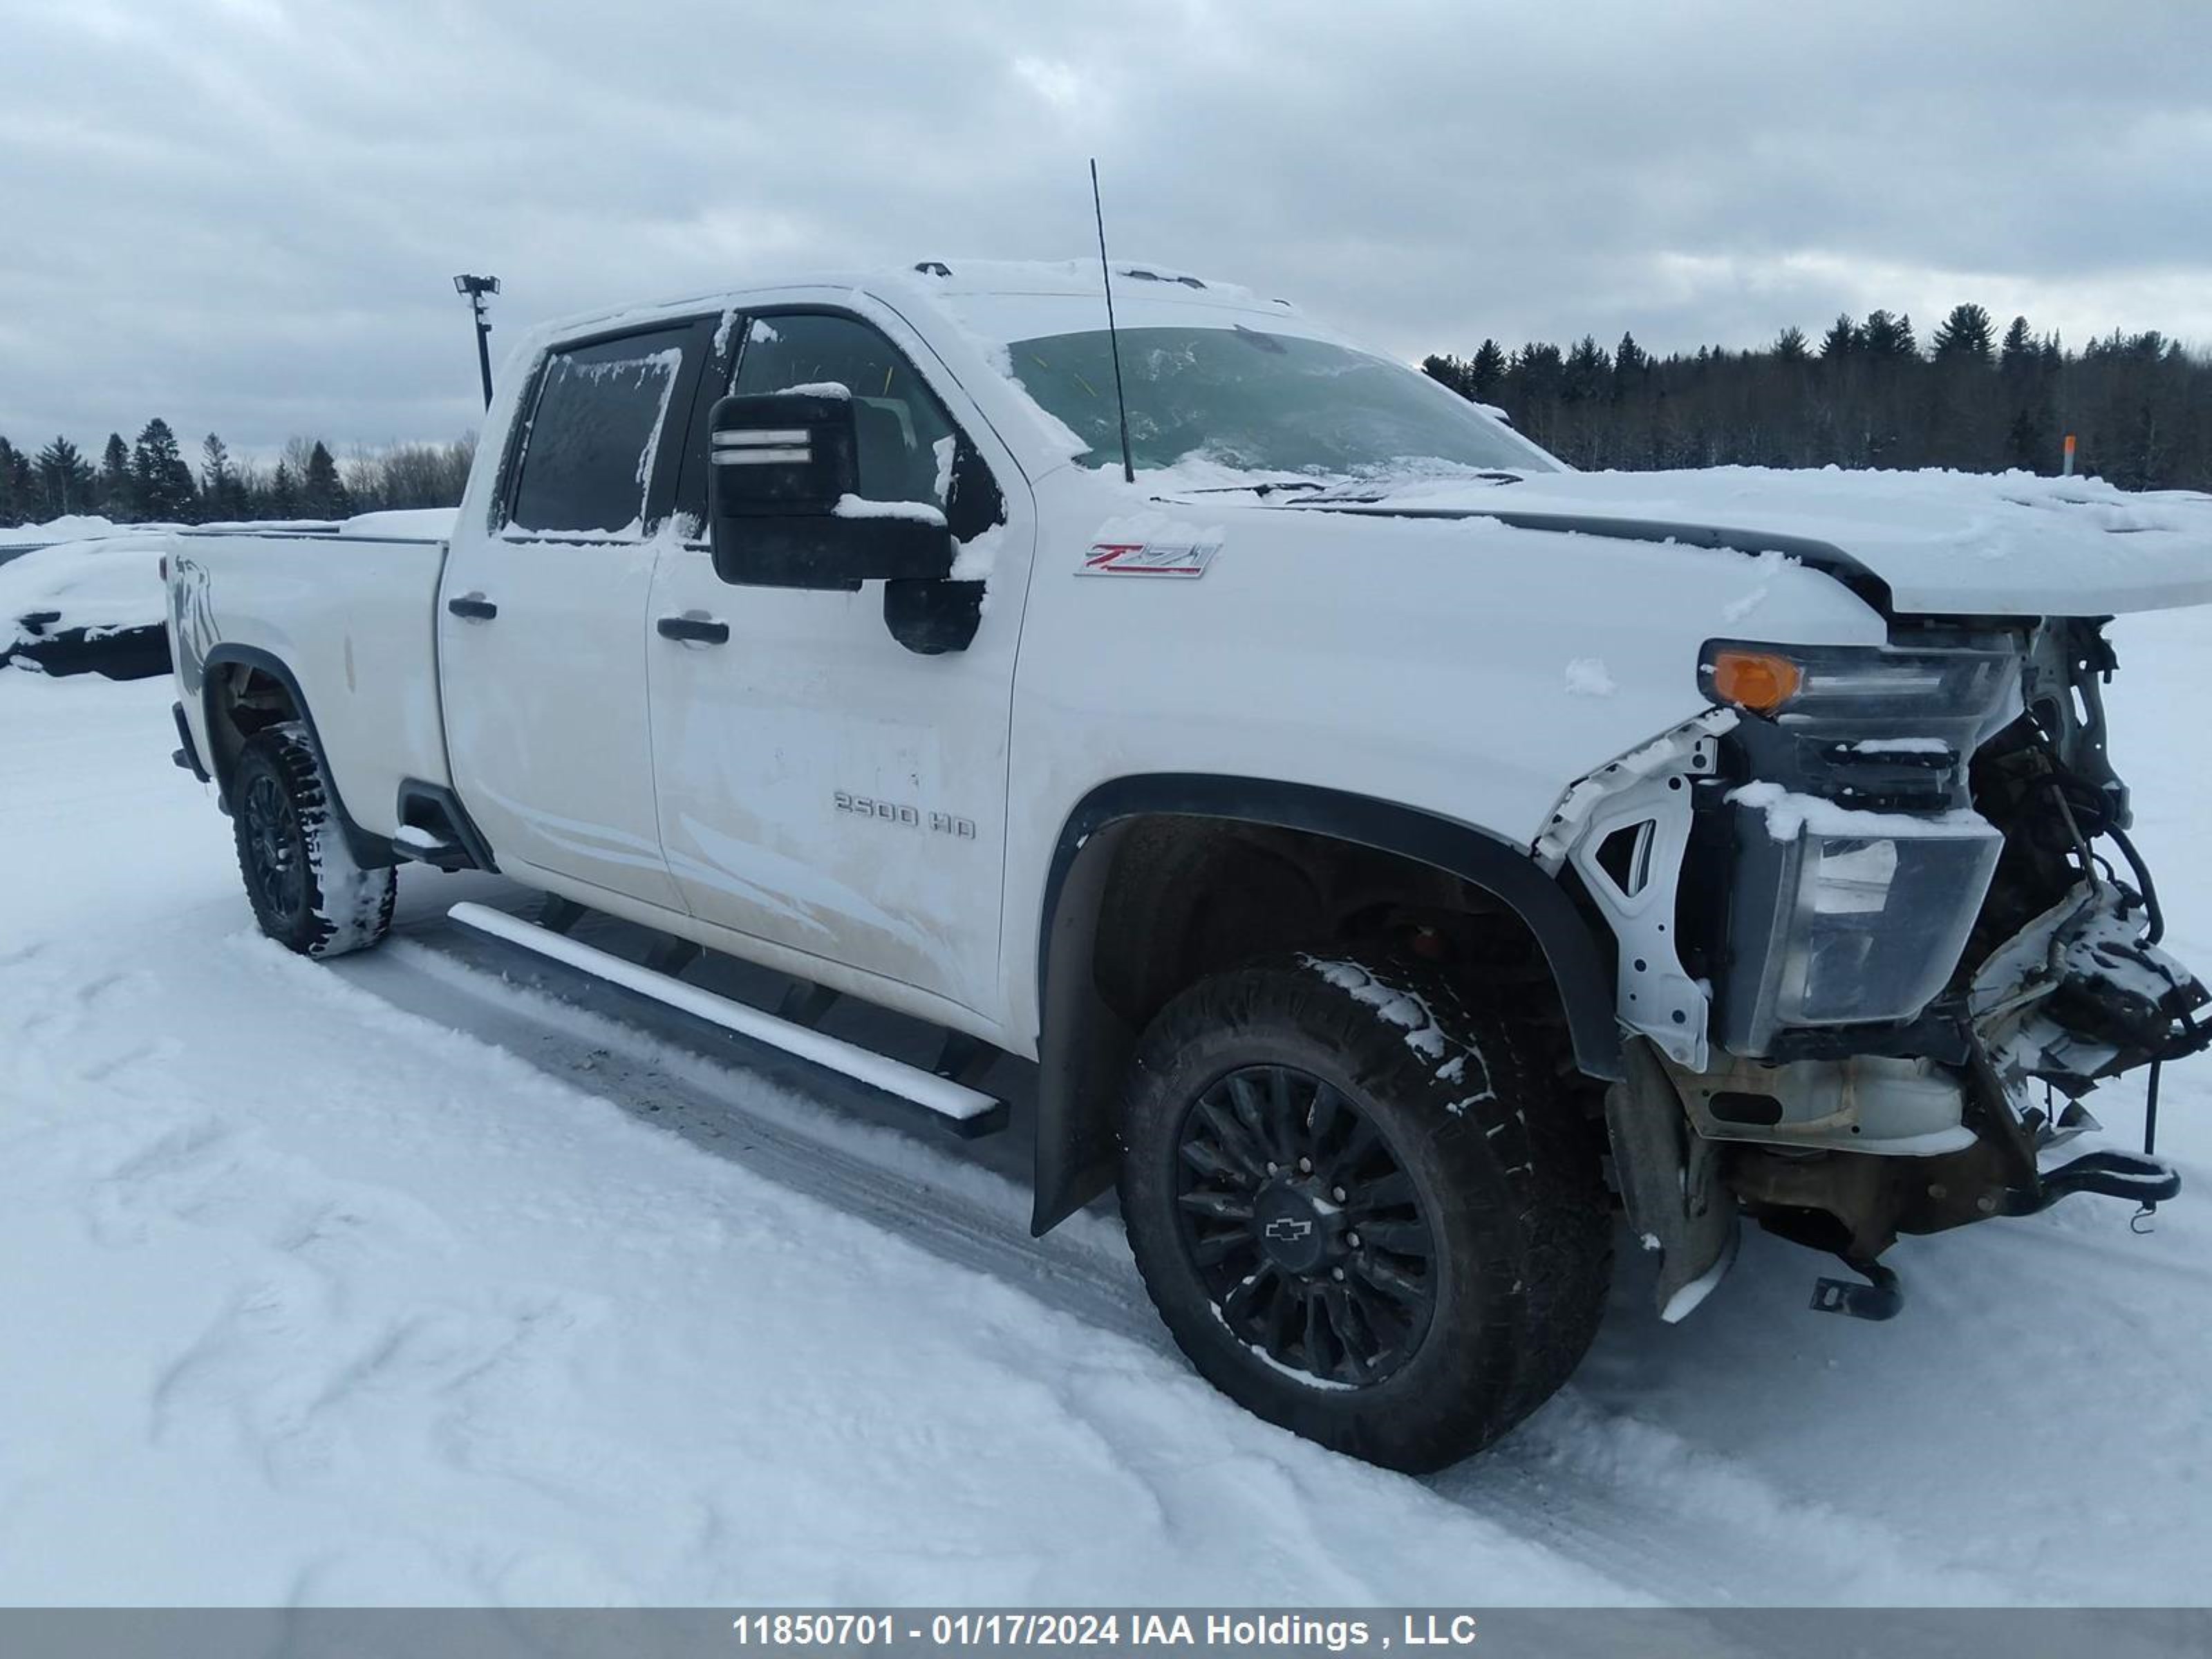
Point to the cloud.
(246, 214)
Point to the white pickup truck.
(1399, 854)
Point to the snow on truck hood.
(1943, 544)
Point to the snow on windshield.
(1250, 400)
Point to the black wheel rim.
(274, 854)
(1305, 1229)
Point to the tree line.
(151, 482)
(1866, 395)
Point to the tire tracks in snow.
(1646, 1508)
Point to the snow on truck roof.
(1078, 277)
(1001, 300)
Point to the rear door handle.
(703, 630)
(473, 606)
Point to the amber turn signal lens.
(1757, 680)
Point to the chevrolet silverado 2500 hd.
(1399, 854)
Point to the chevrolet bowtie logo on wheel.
(1283, 1227)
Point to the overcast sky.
(246, 214)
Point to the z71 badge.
(1187, 558)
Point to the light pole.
(475, 288)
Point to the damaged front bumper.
(1793, 904)
(1845, 1155)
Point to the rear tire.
(308, 892)
(1277, 1111)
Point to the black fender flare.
(1084, 1046)
(370, 851)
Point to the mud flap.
(1670, 1183)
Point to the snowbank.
(72, 527)
(113, 582)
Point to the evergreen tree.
(1790, 346)
(2028, 444)
(322, 494)
(1487, 372)
(284, 499)
(66, 479)
(14, 495)
(1447, 371)
(165, 493)
(1530, 389)
(1588, 372)
(2017, 355)
(1842, 340)
(1966, 335)
(23, 488)
(1886, 337)
(219, 488)
(118, 492)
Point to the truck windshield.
(1257, 402)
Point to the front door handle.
(697, 629)
(474, 607)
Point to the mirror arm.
(931, 616)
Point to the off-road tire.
(1506, 1166)
(307, 891)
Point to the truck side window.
(907, 442)
(588, 458)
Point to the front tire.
(1358, 1209)
(308, 892)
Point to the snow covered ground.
(397, 1280)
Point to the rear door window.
(598, 433)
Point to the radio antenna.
(1113, 338)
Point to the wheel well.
(1186, 896)
(1143, 903)
(242, 700)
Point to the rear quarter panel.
(353, 619)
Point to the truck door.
(542, 627)
(822, 787)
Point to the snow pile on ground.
(70, 527)
(109, 582)
(314, 1295)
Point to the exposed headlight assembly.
(1876, 693)
(1844, 909)
(1846, 918)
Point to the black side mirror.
(785, 506)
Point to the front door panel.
(822, 787)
